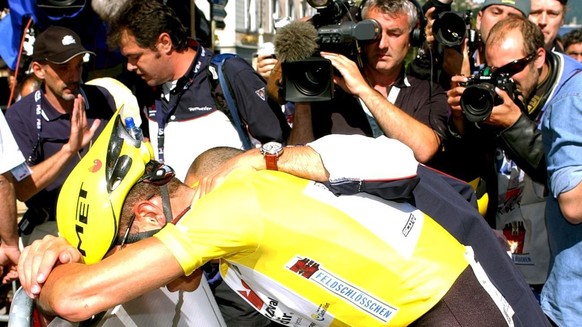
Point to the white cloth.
(185, 140)
(392, 159)
(10, 155)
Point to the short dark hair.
(572, 37)
(209, 160)
(146, 20)
(533, 38)
(140, 192)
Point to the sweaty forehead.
(505, 49)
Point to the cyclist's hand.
(38, 259)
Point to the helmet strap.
(166, 203)
(136, 237)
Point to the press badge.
(21, 171)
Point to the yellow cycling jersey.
(305, 257)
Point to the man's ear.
(148, 215)
(541, 58)
(478, 20)
(38, 70)
(165, 44)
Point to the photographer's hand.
(454, 101)
(505, 114)
(455, 62)
(428, 28)
(351, 79)
(265, 65)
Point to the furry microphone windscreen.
(296, 41)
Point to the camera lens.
(449, 29)
(312, 79)
(477, 101)
(308, 80)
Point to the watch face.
(272, 148)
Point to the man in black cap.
(55, 126)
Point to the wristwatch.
(271, 151)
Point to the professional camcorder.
(307, 77)
(480, 97)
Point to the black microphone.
(295, 41)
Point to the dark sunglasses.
(515, 66)
(157, 173)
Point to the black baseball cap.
(58, 45)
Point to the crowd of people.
(395, 203)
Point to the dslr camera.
(311, 80)
(479, 97)
(451, 28)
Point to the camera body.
(311, 80)
(479, 97)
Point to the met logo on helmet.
(81, 217)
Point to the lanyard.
(38, 114)
(39, 117)
(164, 109)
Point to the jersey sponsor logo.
(522, 259)
(199, 109)
(261, 93)
(270, 308)
(251, 296)
(361, 299)
(271, 313)
(409, 225)
(320, 312)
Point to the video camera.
(480, 97)
(311, 79)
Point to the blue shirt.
(562, 139)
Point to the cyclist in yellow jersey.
(299, 254)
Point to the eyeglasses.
(515, 66)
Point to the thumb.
(95, 125)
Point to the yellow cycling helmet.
(90, 200)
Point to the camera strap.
(544, 90)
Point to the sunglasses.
(156, 173)
(515, 66)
